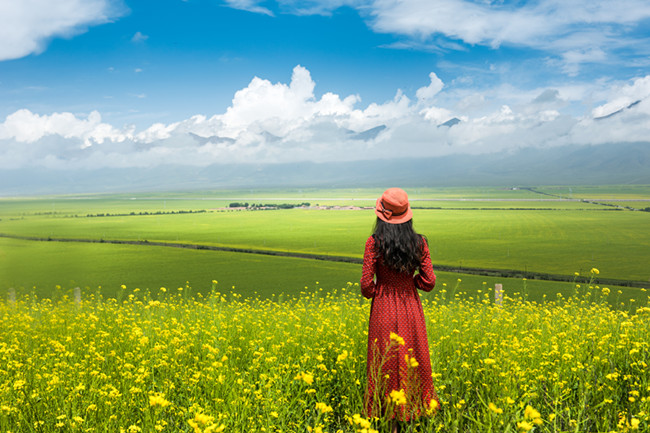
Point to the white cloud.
(573, 32)
(426, 94)
(27, 25)
(139, 37)
(27, 127)
(623, 95)
(250, 6)
(286, 122)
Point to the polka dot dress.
(398, 349)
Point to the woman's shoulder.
(370, 241)
(424, 242)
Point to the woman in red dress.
(399, 367)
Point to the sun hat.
(393, 206)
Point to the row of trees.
(268, 205)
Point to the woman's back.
(396, 263)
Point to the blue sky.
(118, 83)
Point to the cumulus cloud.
(25, 126)
(427, 93)
(287, 122)
(26, 26)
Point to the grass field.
(104, 268)
(167, 361)
(560, 242)
(480, 228)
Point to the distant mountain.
(618, 111)
(369, 134)
(623, 163)
(211, 139)
(451, 122)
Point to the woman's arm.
(368, 284)
(425, 279)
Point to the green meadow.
(525, 230)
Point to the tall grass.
(173, 361)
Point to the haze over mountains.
(623, 163)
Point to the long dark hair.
(398, 245)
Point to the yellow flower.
(202, 418)
(158, 400)
(493, 407)
(489, 361)
(308, 378)
(634, 424)
(509, 400)
(411, 361)
(433, 405)
(525, 426)
(323, 408)
(595, 271)
(531, 413)
(397, 338)
(398, 397)
(360, 421)
(343, 356)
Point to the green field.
(491, 228)
(105, 268)
(560, 242)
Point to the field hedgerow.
(171, 361)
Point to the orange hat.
(393, 206)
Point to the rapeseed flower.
(323, 408)
(397, 397)
(396, 338)
(524, 426)
(493, 407)
(157, 399)
(306, 377)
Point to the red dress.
(396, 308)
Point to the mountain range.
(615, 163)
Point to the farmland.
(162, 338)
(494, 229)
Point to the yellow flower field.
(173, 362)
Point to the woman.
(399, 367)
